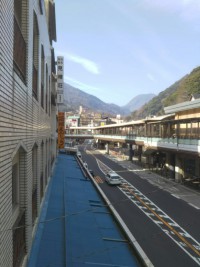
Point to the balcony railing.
(19, 244)
(19, 51)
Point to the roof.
(112, 173)
(159, 118)
(73, 117)
(194, 96)
(183, 106)
(76, 227)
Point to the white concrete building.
(27, 120)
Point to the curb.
(140, 252)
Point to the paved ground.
(191, 196)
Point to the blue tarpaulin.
(76, 228)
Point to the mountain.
(179, 92)
(74, 98)
(138, 101)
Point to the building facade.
(27, 121)
(169, 144)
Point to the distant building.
(80, 110)
(72, 121)
(28, 121)
(194, 96)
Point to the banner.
(60, 80)
(61, 130)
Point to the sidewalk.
(180, 191)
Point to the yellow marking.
(164, 222)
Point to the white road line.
(194, 206)
(162, 225)
(175, 196)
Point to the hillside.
(179, 92)
(74, 98)
(138, 101)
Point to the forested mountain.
(179, 92)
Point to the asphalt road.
(166, 228)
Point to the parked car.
(113, 178)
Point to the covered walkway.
(75, 227)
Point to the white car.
(113, 178)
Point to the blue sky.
(118, 49)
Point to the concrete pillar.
(107, 148)
(97, 144)
(197, 165)
(178, 169)
(130, 152)
(170, 164)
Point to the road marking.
(194, 206)
(170, 227)
(175, 196)
(185, 241)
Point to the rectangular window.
(15, 185)
(41, 6)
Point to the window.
(20, 29)
(15, 185)
(35, 57)
(47, 89)
(42, 77)
(49, 96)
(41, 6)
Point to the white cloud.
(86, 63)
(80, 85)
